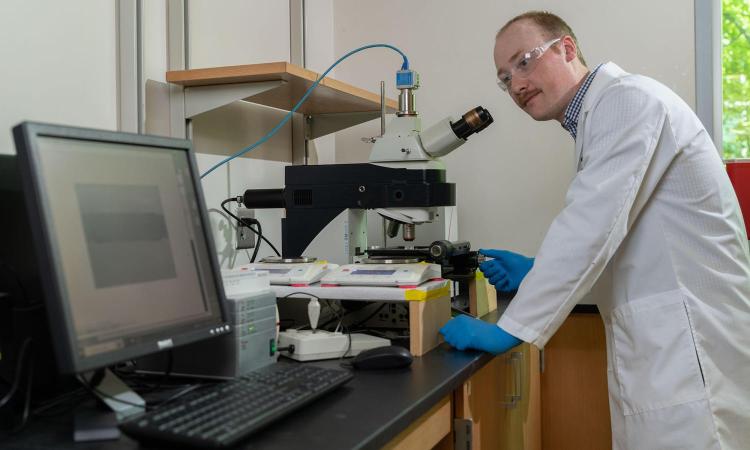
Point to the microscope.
(404, 181)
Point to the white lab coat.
(652, 229)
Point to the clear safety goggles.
(525, 65)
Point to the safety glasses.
(525, 65)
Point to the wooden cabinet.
(522, 419)
(502, 401)
(524, 400)
(516, 404)
(575, 408)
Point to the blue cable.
(404, 66)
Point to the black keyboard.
(222, 414)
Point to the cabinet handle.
(516, 360)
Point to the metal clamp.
(516, 360)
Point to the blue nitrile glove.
(506, 270)
(465, 332)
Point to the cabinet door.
(575, 408)
(502, 400)
(521, 398)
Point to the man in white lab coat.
(651, 229)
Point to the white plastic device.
(292, 274)
(313, 312)
(241, 282)
(312, 346)
(382, 274)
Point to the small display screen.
(277, 271)
(372, 272)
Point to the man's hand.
(506, 270)
(465, 332)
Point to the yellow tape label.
(421, 296)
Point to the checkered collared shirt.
(570, 123)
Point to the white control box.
(401, 275)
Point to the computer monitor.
(122, 242)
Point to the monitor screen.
(121, 232)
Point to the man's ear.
(570, 48)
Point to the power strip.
(313, 346)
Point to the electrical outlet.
(393, 315)
(245, 237)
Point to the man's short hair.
(550, 24)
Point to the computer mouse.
(389, 357)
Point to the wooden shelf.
(330, 97)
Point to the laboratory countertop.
(366, 413)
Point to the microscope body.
(406, 142)
(404, 180)
(314, 195)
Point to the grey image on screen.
(126, 235)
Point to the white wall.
(319, 55)
(234, 32)
(58, 64)
(511, 178)
(155, 40)
(237, 32)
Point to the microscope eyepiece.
(472, 122)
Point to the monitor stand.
(98, 424)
